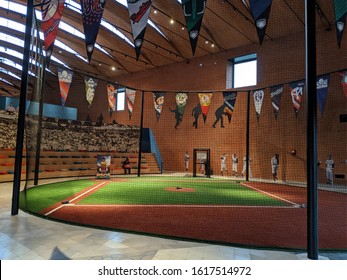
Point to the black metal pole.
(140, 142)
(21, 112)
(311, 122)
(247, 134)
(39, 124)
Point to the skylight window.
(2, 70)
(18, 42)
(6, 82)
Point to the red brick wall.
(280, 61)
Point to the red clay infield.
(280, 227)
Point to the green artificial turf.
(152, 190)
(38, 198)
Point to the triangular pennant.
(65, 79)
(258, 97)
(205, 102)
(276, 95)
(322, 91)
(111, 96)
(158, 99)
(51, 15)
(181, 102)
(193, 12)
(92, 11)
(260, 11)
(130, 98)
(139, 13)
(344, 82)
(296, 92)
(91, 85)
(340, 8)
(229, 102)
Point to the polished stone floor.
(27, 237)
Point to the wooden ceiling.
(227, 24)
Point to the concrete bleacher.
(54, 164)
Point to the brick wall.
(281, 60)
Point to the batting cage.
(197, 150)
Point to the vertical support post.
(21, 112)
(247, 134)
(140, 142)
(39, 124)
(311, 122)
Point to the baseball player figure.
(186, 161)
(274, 166)
(235, 162)
(329, 170)
(223, 165)
(245, 166)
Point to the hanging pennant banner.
(51, 15)
(91, 85)
(130, 98)
(229, 102)
(139, 13)
(158, 99)
(296, 92)
(65, 79)
(260, 11)
(193, 12)
(276, 95)
(322, 91)
(340, 8)
(181, 102)
(92, 11)
(205, 102)
(344, 82)
(258, 97)
(111, 96)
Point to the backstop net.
(123, 156)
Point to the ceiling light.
(206, 42)
(172, 21)
(113, 68)
(155, 11)
(212, 45)
(183, 28)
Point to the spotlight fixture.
(212, 45)
(155, 11)
(206, 42)
(183, 28)
(172, 21)
(113, 68)
(293, 152)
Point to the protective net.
(122, 155)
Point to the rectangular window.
(120, 99)
(241, 71)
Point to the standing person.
(274, 166)
(235, 162)
(186, 161)
(223, 165)
(245, 166)
(202, 166)
(329, 170)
